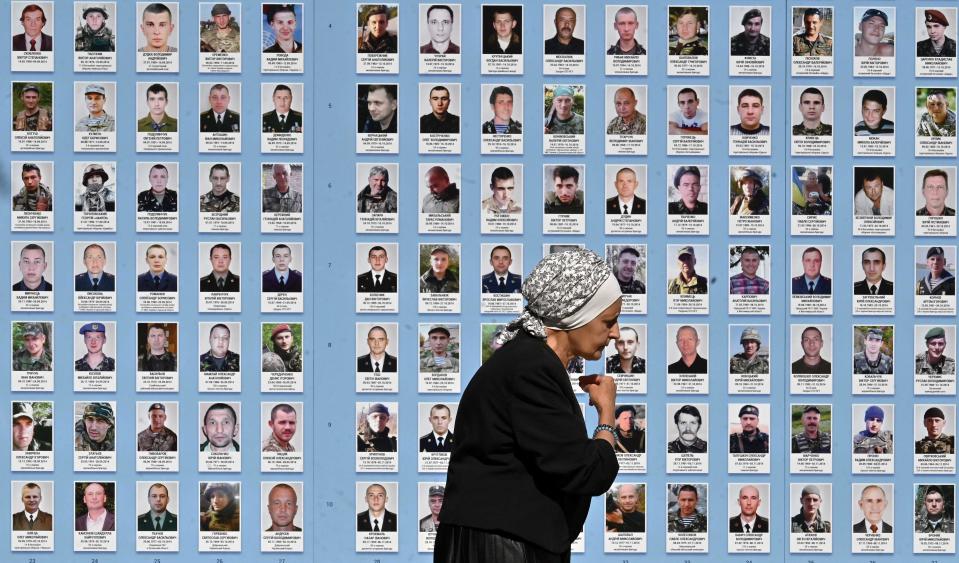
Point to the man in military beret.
(219, 357)
(625, 360)
(687, 519)
(32, 264)
(873, 265)
(751, 440)
(933, 516)
(747, 281)
(220, 278)
(440, 438)
(939, 120)
(431, 522)
(155, 356)
(872, 32)
(872, 360)
(810, 520)
(873, 439)
(33, 354)
(934, 359)
(748, 520)
(687, 281)
(376, 36)
(96, 196)
(438, 278)
(222, 35)
(688, 41)
(753, 200)
(750, 42)
(157, 437)
(811, 440)
(749, 360)
(94, 432)
(219, 118)
(33, 116)
(220, 427)
(158, 518)
(24, 430)
(97, 120)
(688, 421)
(94, 337)
(373, 434)
(94, 278)
(630, 438)
(94, 35)
(33, 20)
(936, 441)
(437, 357)
(938, 280)
(219, 199)
(935, 192)
(285, 351)
(281, 197)
(937, 44)
(811, 42)
(282, 118)
(34, 195)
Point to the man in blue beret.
(94, 337)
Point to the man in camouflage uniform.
(438, 278)
(94, 337)
(563, 120)
(687, 35)
(934, 359)
(97, 120)
(937, 44)
(24, 430)
(750, 43)
(437, 357)
(809, 519)
(627, 262)
(688, 281)
(871, 360)
(284, 349)
(33, 354)
(219, 199)
(812, 43)
(34, 195)
(749, 360)
(96, 196)
(873, 439)
(94, 432)
(281, 197)
(628, 120)
(33, 116)
(938, 120)
(223, 35)
(157, 437)
(688, 421)
(687, 519)
(935, 441)
(812, 104)
(751, 440)
(220, 357)
(812, 440)
(625, 359)
(94, 35)
(934, 518)
(282, 428)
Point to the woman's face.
(589, 340)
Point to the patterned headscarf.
(564, 291)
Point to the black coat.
(523, 464)
(365, 365)
(230, 284)
(231, 122)
(364, 282)
(363, 523)
(760, 525)
(294, 281)
(144, 524)
(638, 207)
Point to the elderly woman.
(223, 513)
(523, 470)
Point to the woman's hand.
(601, 390)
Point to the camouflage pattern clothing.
(229, 202)
(385, 202)
(929, 128)
(230, 362)
(83, 443)
(292, 358)
(23, 361)
(821, 130)
(92, 124)
(27, 201)
(945, 365)
(102, 39)
(150, 362)
(753, 443)
(678, 447)
(273, 445)
(696, 285)
(616, 49)
(694, 47)
(162, 441)
(944, 525)
(925, 48)
(676, 523)
(944, 444)
(147, 202)
(861, 364)
(866, 443)
(489, 206)
(614, 365)
(797, 525)
(276, 202)
(429, 364)
(429, 283)
(740, 363)
(553, 206)
(632, 287)
(821, 47)
(106, 364)
(821, 444)
(573, 126)
(376, 442)
(741, 46)
(212, 41)
(41, 120)
(619, 126)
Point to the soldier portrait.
(157, 278)
(378, 359)
(937, 112)
(220, 507)
(159, 518)
(873, 502)
(687, 280)
(935, 360)
(282, 507)
(628, 186)
(33, 19)
(220, 426)
(283, 118)
(157, 343)
(96, 194)
(747, 436)
(873, 266)
(439, 349)
(286, 36)
(220, 199)
(219, 118)
(434, 500)
(93, 30)
(873, 439)
(440, 118)
(282, 277)
(935, 509)
(219, 357)
(376, 428)
(376, 35)
(32, 426)
(625, 506)
(935, 194)
(627, 357)
(749, 190)
(286, 193)
(938, 42)
(157, 26)
(441, 194)
(34, 195)
(442, 27)
(282, 347)
(29, 111)
(33, 517)
(567, 39)
(935, 279)
(377, 279)
(501, 279)
(686, 511)
(689, 118)
(628, 120)
(32, 265)
(502, 30)
(95, 356)
(688, 30)
(95, 99)
(565, 109)
(221, 32)
(750, 259)
(32, 346)
(810, 108)
(376, 108)
(628, 32)
(874, 38)
(749, 500)
(440, 266)
(630, 429)
(562, 191)
(282, 425)
(506, 191)
(687, 344)
(440, 438)
(813, 515)
(810, 429)
(810, 28)
(95, 427)
(754, 357)
(812, 190)
(811, 341)
(95, 506)
(220, 278)
(750, 42)
(875, 344)
(874, 105)
(376, 517)
(377, 196)
(688, 422)
(813, 279)
(936, 427)
(158, 436)
(629, 267)
(875, 193)
(156, 100)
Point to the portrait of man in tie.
(501, 280)
(376, 518)
(440, 437)
(95, 278)
(156, 278)
(33, 19)
(158, 518)
(812, 280)
(378, 279)
(32, 517)
(219, 118)
(220, 277)
(283, 118)
(378, 360)
(282, 277)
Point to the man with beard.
(155, 356)
(935, 190)
(158, 518)
(501, 280)
(750, 42)
(687, 182)
(626, 202)
(625, 359)
(628, 120)
(626, 516)
(284, 349)
(873, 265)
(281, 197)
(437, 357)
(626, 23)
(753, 199)
(94, 35)
(31, 517)
(871, 360)
(96, 197)
(749, 360)
(688, 421)
(282, 426)
(94, 432)
(873, 439)
(33, 116)
(811, 439)
(97, 119)
(566, 197)
(24, 430)
(157, 437)
(935, 519)
(438, 278)
(219, 199)
(219, 357)
(94, 337)
(810, 42)
(220, 428)
(439, 23)
(561, 119)
(282, 506)
(381, 107)
(747, 282)
(937, 44)
(224, 35)
(33, 354)
(936, 441)
(811, 362)
(751, 440)
(687, 519)
(219, 118)
(377, 196)
(440, 438)
(34, 195)
(938, 281)
(687, 281)
(934, 359)
(630, 439)
(376, 38)
(810, 520)
(442, 196)
(378, 360)
(431, 521)
(373, 434)
(563, 43)
(748, 520)
(938, 120)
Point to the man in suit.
(158, 518)
(872, 502)
(440, 439)
(282, 118)
(378, 360)
(219, 118)
(748, 521)
(501, 280)
(378, 279)
(812, 281)
(156, 278)
(33, 38)
(376, 518)
(97, 518)
(626, 202)
(281, 277)
(220, 278)
(94, 279)
(31, 517)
